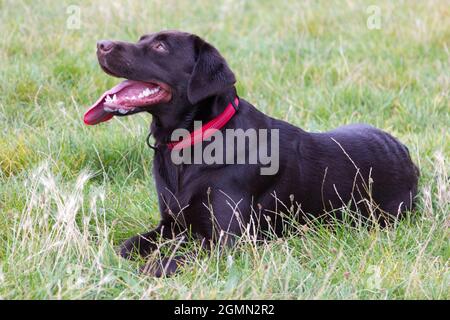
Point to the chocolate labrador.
(185, 84)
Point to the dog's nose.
(104, 46)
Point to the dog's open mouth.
(125, 98)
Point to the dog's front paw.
(163, 268)
(129, 248)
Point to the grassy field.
(69, 194)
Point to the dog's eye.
(159, 46)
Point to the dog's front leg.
(144, 244)
(168, 265)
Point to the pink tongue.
(96, 113)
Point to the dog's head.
(165, 72)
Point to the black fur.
(356, 166)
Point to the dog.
(181, 80)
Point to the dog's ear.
(211, 74)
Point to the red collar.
(208, 129)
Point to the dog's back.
(366, 166)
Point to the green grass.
(70, 193)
